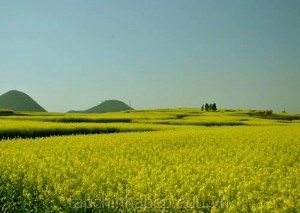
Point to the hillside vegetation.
(19, 101)
(107, 106)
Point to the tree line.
(209, 107)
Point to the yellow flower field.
(184, 168)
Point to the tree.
(202, 107)
(206, 107)
(214, 107)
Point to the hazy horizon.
(73, 55)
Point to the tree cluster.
(209, 107)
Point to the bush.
(4, 112)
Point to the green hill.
(19, 101)
(107, 106)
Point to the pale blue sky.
(74, 54)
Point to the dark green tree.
(206, 107)
(202, 107)
(214, 107)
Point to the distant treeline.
(209, 107)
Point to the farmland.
(165, 160)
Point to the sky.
(74, 54)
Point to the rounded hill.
(19, 101)
(109, 106)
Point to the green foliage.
(19, 101)
(107, 106)
(5, 112)
(206, 107)
(214, 107)
(210, 107)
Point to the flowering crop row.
(220, 169)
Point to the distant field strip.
(33, 129)
(32, 125)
